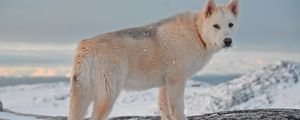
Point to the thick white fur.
(162, 54)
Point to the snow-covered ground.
(274, 86)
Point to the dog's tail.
(82, 68)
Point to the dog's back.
(146, 52)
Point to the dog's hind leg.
(80, 100)
(107, 89)
(81, 78)
(103, 104)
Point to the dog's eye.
(216, 26)
(230, 25)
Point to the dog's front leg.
(163, 103)
(175, 95)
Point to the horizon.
(224, 63)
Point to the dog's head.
(216, 24)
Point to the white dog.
(162, 54)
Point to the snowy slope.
(254, 90)
(275, 85)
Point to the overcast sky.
(46, 31)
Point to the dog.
(163, 54)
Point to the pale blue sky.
(46, 31)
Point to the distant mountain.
(13, 81)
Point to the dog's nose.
(227, 41)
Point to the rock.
(259, 114)
(265, 114)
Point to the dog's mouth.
(227, 46)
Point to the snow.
(274, 86)
(45, 99)
(9, 116)
(288, 98)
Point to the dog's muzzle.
(227, 42)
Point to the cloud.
(44, 72)
(35, 47)
(35, 71)
(6, 72)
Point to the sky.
(42, 34)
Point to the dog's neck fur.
(200, 37)
(200, 17)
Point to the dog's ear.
(233, 5)
(209, 8)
